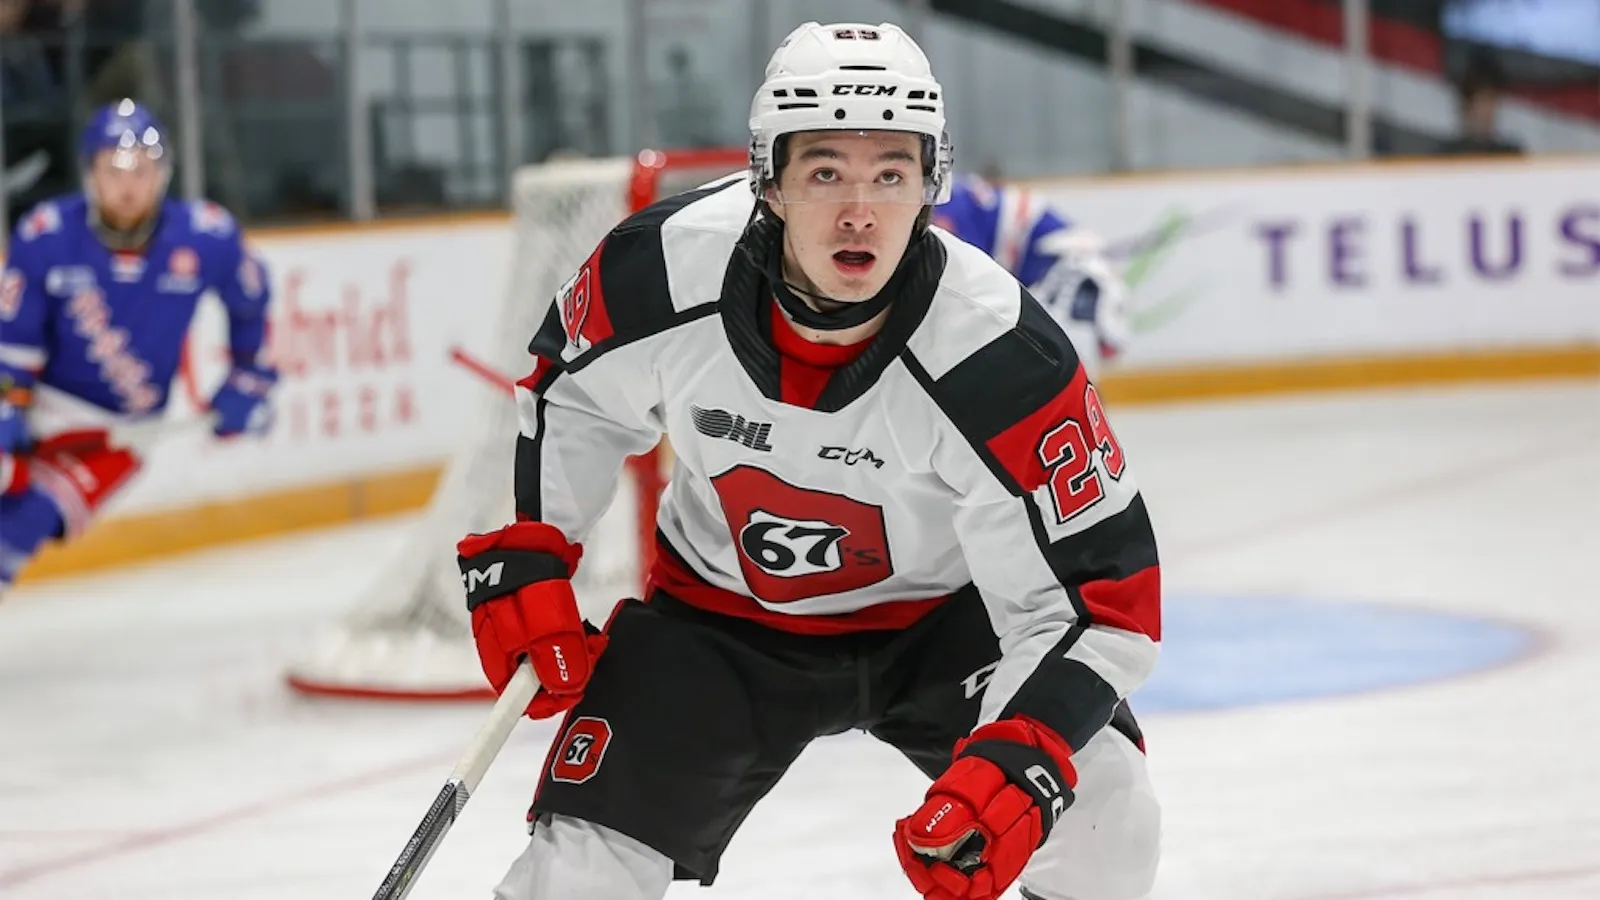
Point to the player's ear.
(773, 199)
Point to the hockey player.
(897, 506)
(95, 304)
(1063, 263)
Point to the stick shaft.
(150, 431)
(491, 376)
(457, 790)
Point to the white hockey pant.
(1105, 847)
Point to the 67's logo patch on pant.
(581, 750)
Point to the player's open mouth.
(854, 262)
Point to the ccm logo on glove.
(1048, 787)
(983, 818)
(472, 579)
(522, 605)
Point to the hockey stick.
(140, 435)
(646, 467)
(459, 786)
(495, 379)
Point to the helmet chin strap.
(846, 315)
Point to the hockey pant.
(68, 479)
(1104, 847)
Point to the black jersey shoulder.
(622, 293)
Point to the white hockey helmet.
(850, 77)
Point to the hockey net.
(408, 636)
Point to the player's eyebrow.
(819, 152)
(825, 152)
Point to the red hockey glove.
(522, 605)
(988, 812)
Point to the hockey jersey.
(963, 446)
(101, 332)
(1062, 263)
(1009, 224)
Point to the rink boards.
(1248, 282)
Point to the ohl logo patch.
(581, 750)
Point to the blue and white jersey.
(1010, 224)
(100, 332)
(1062, 264)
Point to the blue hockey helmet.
(123, 125)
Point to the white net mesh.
(408, 636)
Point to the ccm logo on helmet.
(864, 90)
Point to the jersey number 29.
(1065, 451)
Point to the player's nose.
(857, 216)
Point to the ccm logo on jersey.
(719, 423)
(850, 457)
(578, 757)
(979, 680)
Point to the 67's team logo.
(795, 542)
(790, 548)
(581, 750)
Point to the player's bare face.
(849, 200)
(127, 185)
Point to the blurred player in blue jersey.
(1063, 265)
(95, 304)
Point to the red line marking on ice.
(145, 840)
(57, 834)
(1440, 483)
(1509, 879)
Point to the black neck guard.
(847, 315)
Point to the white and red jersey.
(962, 448)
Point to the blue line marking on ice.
(1220, 652)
